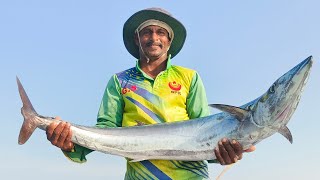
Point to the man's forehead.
(153, 24)
(154, 27)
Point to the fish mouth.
(287, 110)
(293, 101)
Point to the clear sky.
(64, 52)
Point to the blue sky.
(64, 52)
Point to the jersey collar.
(146, 75)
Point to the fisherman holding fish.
(154, 91)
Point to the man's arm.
(109, 115)
(112, 105)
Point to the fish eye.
(272, 88)
(250, 107)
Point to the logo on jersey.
(175, 87)
(126, 90)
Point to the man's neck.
(153, 67)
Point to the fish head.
(275, 107)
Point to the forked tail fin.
(30, 123)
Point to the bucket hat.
(139, 17)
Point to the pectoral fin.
(237, 112)
(286, 133)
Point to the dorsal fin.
(237, 112)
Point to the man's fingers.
(57, 132)
(251, 149)
(52, 127)
(232, 152)
(228, 152)
(63, 135)
(50, 130)
(237, 148)
(218, 156)
(224, 153)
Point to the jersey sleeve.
(112, 105)
(197, 103)
(109, 115)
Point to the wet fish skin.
(194, 139)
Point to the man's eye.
(162, 33)
(145, 33)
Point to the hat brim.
(136, 19)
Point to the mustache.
(152, 43)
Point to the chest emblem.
(175, 87)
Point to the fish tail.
(30, 122)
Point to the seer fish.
(191, 140)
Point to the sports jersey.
(176, 94)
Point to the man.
(154, 91)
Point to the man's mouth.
(154, 45)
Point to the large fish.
(194, 139)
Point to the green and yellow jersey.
(176, 94)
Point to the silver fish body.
(194, 139)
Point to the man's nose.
(154, 36)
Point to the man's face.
(154, 42)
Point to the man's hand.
(59, 134)
(229, 152)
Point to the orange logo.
(126, 90)
(174, 86)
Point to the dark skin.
(154, 44)
(59, 134)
